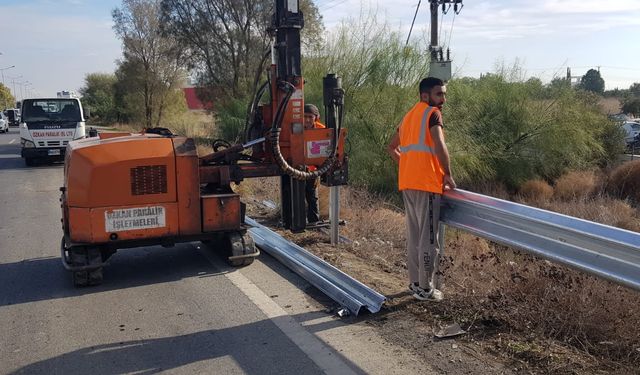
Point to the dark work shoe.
(414, 288)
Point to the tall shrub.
(513, 130)
(380, 75)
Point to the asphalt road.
(177, 310)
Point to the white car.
(631, 132)
(4, 123)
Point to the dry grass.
(557, 319)
(601, 209)
(536, 190)
(609, 106)
(624, 181)
(377, 229)
(576, 185)
(490, 287)
(123, 127)
(514, 292)
(197, 125)
(188, 124)
(495, 189)
(192, 124)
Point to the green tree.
(516, 132)
(592, 81)
(380, 76)
(559, 84)
(634, 89)
(98, 93)
(226, 40)
(632, 105)
(6, 99)
(503, 127)
(130, 101)
(616, 93)
(155, 60)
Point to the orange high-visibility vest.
(419, 165)
(316, 125)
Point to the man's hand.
(448, 183)
(392, 148)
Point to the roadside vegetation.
(538, 316)
(512, 137)
(509, 135)
(502, 127)
(7, 100)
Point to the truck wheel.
(80, 278)
(86, 278)
(95, 276)
(239, 244)
(82, 256)
(29, 162)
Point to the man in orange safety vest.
(312, 121)
(424, 173)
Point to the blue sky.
(54, 44)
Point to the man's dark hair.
(310, 108)
(428, 83)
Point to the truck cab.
(48, 125)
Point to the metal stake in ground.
(334, 213)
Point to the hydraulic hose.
(252, 112)
(274, 137)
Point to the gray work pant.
(422, 210)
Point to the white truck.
(48, 125)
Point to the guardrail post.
(334, 213)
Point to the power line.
(451, 30)
(325, 3)
(335, 5)
(331, 4)
(412, 22)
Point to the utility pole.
(13, 80)
(573, 80)
(440, 66)
(3, 69)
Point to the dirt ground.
(507, 302)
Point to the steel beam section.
(598, 249)
(342, 288)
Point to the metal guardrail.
(629, 157)
(342, 288)
(598, 249)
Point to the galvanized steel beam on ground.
(342, 288)
(598, 249)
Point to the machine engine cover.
(122, 171)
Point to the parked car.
(13, 115)
(632, 133)
(619, 117)
(4, 123)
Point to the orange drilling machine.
(130, 190)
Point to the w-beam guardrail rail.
(598, 249)
(342, 288)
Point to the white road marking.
(11, 141)
(318, 352)
(315, 349)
